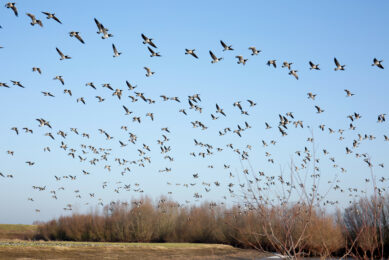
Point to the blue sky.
(353, 31)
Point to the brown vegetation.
(278, 229)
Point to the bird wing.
(144, 37)
(59, 52)
(311, 64)
(79, 38)
(150, 50)
(223, 44)
(15, 10)
(31, 16)
(212, 55)
(336, 62)
(114, 48)
(56, 19)
(97, 23)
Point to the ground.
(22, 232)
(13, 247)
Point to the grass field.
(90, 250)
(23, 232)
(14, 244)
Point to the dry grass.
(9, 231)
(86, 250)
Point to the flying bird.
(241, 60)
(191, 52)
(77, 35)
(319, 110)
(214, 58)
(153, 53)
(226, 47)
(34, 20)
(60, 79)
(377, 63)
(254, 51)
(272, 62)
(36, 69)
(147, 40)
(13, 7)
(286, 65)
(115, 51)
(63, 57)
(294, 73)
(51, 16)
(313, 66)
(148, 71)
(338, 66)
(17, 83)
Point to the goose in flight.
(149, 41)
(13, 7)
(311, 96)
(377, 63)
(17, 83)
(241, 60)
(81, 99)
(91, 85)
(34, 20)
(252, 103)
(148, 71)
(226, 47)
(47, 94)
(272, 62)
(4, 85)
(60, 79)
(219, 110)
(36, 69)
(43, 122)
(100, 99)
(77, 35)
(191, 52)
(99, 26)
(294, 73)
(103, 30)
(214, 58)
(338, 66)
(115, 51)
(254, 51)
(319, 110)
(313, 66)
(286, 65)
(348, 93)
(153, 53)
(63, 57)
(51, 16)
(15, 129)
(130, 87)
(67, 91)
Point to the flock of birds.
(257, 182)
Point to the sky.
(354, 32)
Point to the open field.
(91, 250)
(14, 244)
(9, 231)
